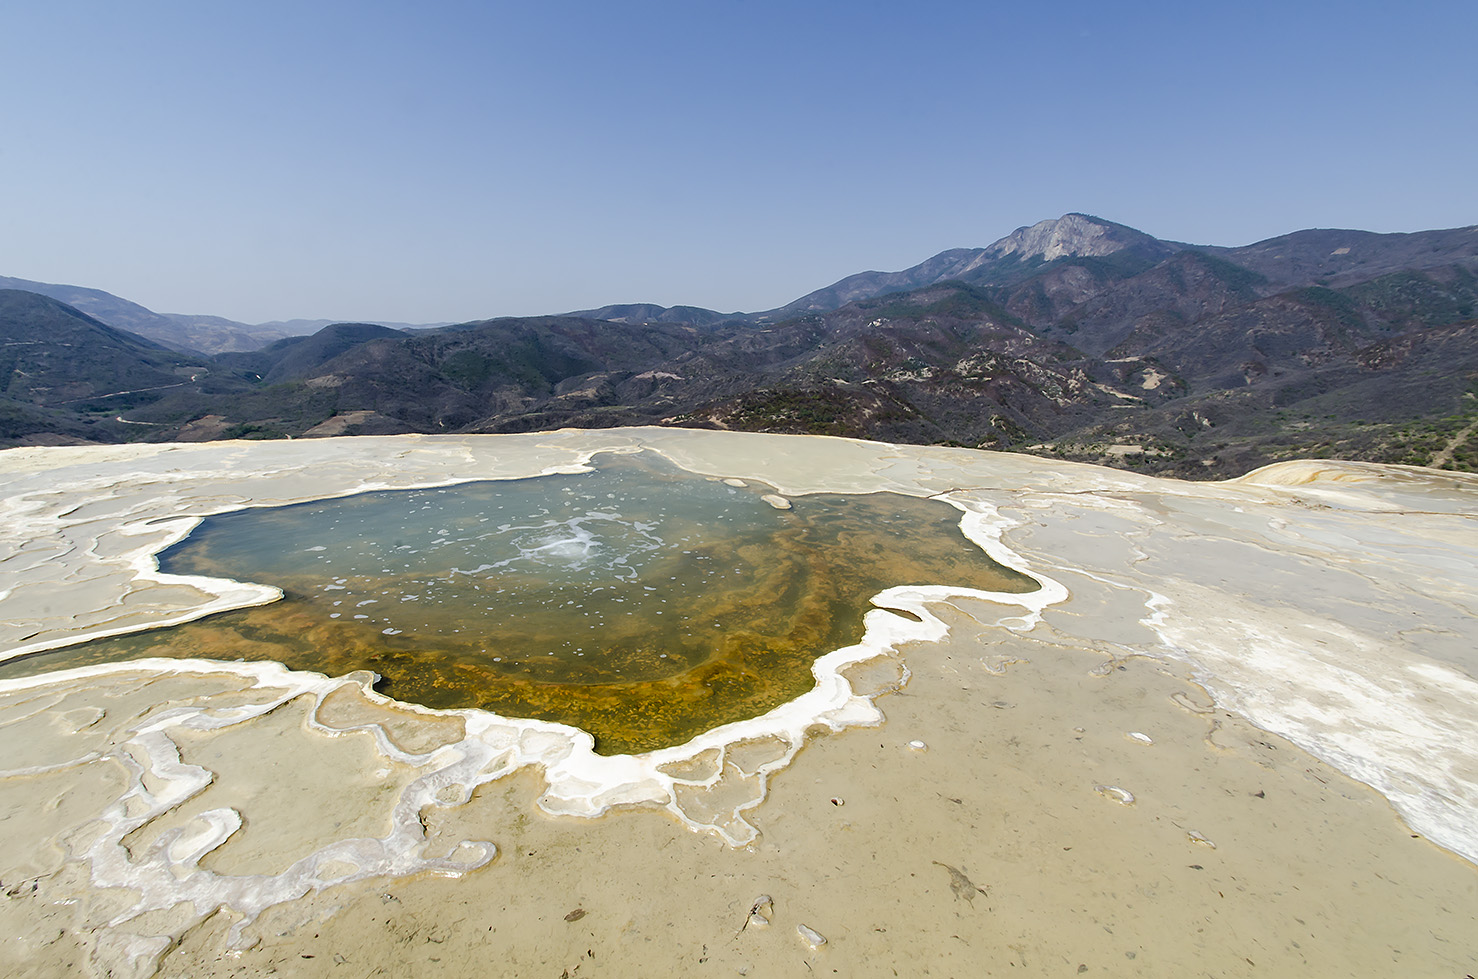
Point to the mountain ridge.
(184, 332)
(1073, 235)
(1015, 255)
(1075, 337)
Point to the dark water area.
(638, 602)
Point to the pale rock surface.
(1267, 642)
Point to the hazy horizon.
(343, 161)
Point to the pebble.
(777, 501)
(810, 936)
(1139, 736)
(918, 746)
(1122, 796)
(1196, 837)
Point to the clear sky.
(458, 160)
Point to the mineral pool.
(639, 602)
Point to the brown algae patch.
(636, 602)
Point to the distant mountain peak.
(1070, 236)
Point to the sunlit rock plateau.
(1141, 750)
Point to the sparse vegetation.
(1345, 310)
(816, 412)
(252, 430)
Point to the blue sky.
(452, 161)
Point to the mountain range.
(180, 331)
(1076, 337)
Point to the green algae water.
(638, 602)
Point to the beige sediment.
(1368, 574)
(1311, 874)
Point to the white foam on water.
(603, 539)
